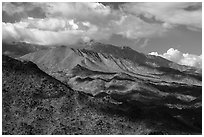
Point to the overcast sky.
(171, 30)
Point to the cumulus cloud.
(113, 21)
(177, 13)
(95, 13)
(66, 23)
(181, 58)
(50, 31)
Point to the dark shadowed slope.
(17, 49)
(36, 103)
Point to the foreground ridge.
(95, 92)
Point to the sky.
(171, 30)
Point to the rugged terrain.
(18, 49)
(103, 89)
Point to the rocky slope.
(128, 77)
(36, 103)
(132, 92)
(109, 58)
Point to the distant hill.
(17, 49)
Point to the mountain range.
(18, 49)
(106, 90)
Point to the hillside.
(127, 91)
(36, 103)
(17, 49)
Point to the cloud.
(170, 13)
(51, 31)
(70, 22)
(142, 43)
(15, 11)
(81, 11)
(181, 58)
(67, 23)
(145, 43)
(114, 21)
(133, 27)
(50, 24)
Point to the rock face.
(121, 91)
